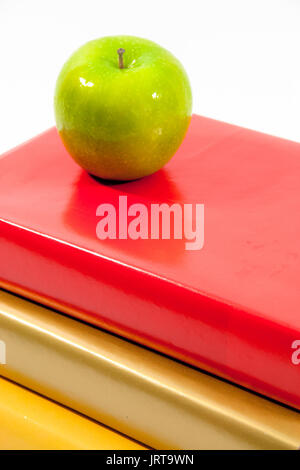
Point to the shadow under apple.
(89, 192)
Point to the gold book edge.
(142, 394)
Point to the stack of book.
(174, 340)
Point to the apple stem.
(121, 52)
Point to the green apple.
(122, 106)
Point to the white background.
(242, 56)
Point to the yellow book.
(31, 422)
(142, 394)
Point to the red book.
(231, 307)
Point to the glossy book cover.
(230, 304)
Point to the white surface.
(242, 56)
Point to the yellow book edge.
(31, 422)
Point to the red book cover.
(230, 305)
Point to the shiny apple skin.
(122, 123)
